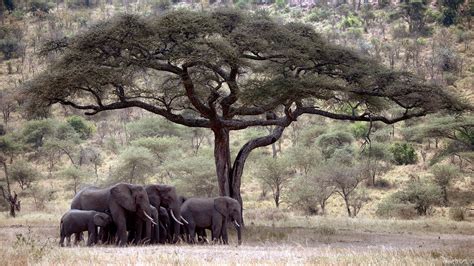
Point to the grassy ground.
(284, 239)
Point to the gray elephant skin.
(165, 196)
(123, 201)
(212, 213)
(78, 221)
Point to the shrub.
(319, 14)
(382, 183)
(457, 214)
(403, 153)
(243, 4)
(23, 173)
(391, 207)
(422, 195)
(40, 5)
(280, 4)
(10, 41)
(81, 126)
(161, 5)
(443, 176)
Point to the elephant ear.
(221, 205)
(123, 195)
(100, 220)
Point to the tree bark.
(222, 160)
(239, 162)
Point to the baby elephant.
(78, 221)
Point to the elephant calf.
(78, 221)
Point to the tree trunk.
(346, 200)
(239, 162)
(277, 197)
(222, 160)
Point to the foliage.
(161, 5)
(458, 130)
(152, 127)
(280, 4)
(35, 131)
(414, 13)
(444, 175)
(359, 130)
(134, 164)
(450, 11)
(40, 195)
(74, 174)
(243, 4)
(304, 159)
(403, 153)
(423, 195)
(163, 148)
(226, 71)
(310, 191)
(377, 158)
(351, 21)
(194, 175)
(330, 142)
(81, 126)
(23, 173)
(10, 41)
(457, 214)
(41, 5)
(276, 174)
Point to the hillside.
(412, 178)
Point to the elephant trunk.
(239, 231)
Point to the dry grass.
(323, 244)
(231, 255)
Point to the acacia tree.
(226, 71)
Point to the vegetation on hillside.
(240, 80)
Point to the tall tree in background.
(226, 71)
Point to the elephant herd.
(126, 214)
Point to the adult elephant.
(165, 196)
(123, 201)
(212, 213)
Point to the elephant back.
(91, 198)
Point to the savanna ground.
(277, 238)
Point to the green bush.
(23, 173)
(319, 14)
(457, 214)
(403, 153)
(81, 126)
(243, 4)
(40, 5)
(161, 5)
(280, 4)
(10, 41)
(390, 209)
(423, 195)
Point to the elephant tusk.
(184, 220)
(172, 215)
(236, 223)
(151, 219)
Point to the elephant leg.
(78, 237)
(225, 239)
(61, 241)
(192, 233)
(68, 238)
(216, 232)
(121, 224)
(92, 235)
